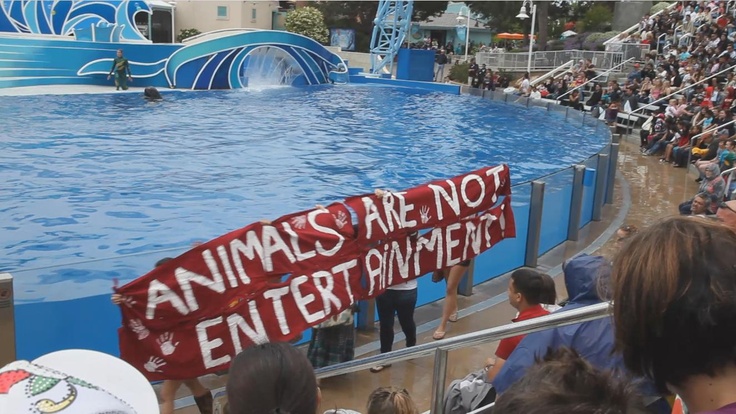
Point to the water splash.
(270, 66)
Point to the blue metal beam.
(391, 25)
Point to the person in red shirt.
(528, 291)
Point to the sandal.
(439, 335)
(453, 317)
(379, 368)
(437, 276)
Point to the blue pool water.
(99, 187)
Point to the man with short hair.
(727, 214)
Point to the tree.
(307, 21)
(359, 16)
(501, 16)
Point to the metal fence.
(544, 61)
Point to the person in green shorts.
(121, 67)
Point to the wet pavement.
(651, 190)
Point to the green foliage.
(459, 72)
(659, 7)
(307, 21)
(187, 33)
(601, 37)
(599, 17)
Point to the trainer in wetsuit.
(121, 68)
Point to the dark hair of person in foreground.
(674, 289)
(565, 383)
(272, 378)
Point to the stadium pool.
(97, 188)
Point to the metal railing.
(440, 349)
(544, 61)
(592, 79)
(551, 74)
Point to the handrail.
(637, 24)
(553, 72)
(594, 78)
(683, 89)
(660, 43)
(483, 409)
(440, 348)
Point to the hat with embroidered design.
(75, 381)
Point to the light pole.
(523, 16)
(467, 28)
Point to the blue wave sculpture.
(99, 27)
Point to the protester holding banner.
(449, 310)
(202, 396)
(190, 316)
(399, 300)
(333, 341)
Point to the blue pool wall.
(92, 322)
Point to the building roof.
(449, 21)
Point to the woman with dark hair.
(272, 378)
(528, 291)
(674, 291)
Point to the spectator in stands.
(593, 340)
(612, 113)
(680, 140)
(473, 73)
(272, 378)
(390, 400)
(635, 74)
(525, 86)
(727, 214)
(528, 291)
(565, 383)
(713, 186)
(700, 206)
(675, 299)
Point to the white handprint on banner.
(299, 222)
(137, 327)
(166, 342)
(341, 219)
(424, 214)
(153, 364)
(128, 301)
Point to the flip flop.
(453, 317)
(379, 368)
(439, 335)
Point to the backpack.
(467, 394)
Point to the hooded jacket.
(593, 340)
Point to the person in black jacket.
(441, 60)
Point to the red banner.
(270, 282)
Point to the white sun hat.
(75, 381)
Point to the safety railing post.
(7, 320)
(366, 315)
(612, 167)
(600, 191)
(576, 204)
(534, 230)
(438, 381)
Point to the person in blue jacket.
(593, 340)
